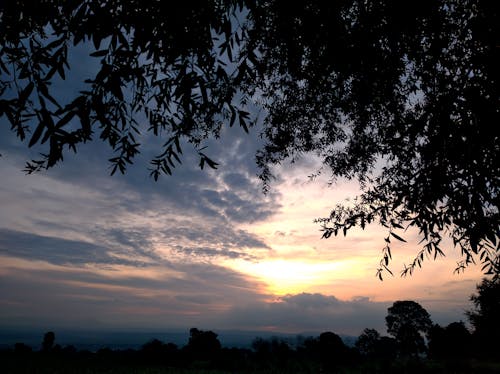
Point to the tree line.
(414, 342)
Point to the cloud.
(136, 246)
(172, 296)
(213, 235)
(120, 296)
(58, 251)
(307, 312)
(201, 252)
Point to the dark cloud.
(311, 313)
(135, 242)
(213, 235)
(172, 295)
(196, 299)
(201, 252)
(56, 250)
(308, 300)
(230, 194)
(183, 295)
(237, 181)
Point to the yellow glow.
(291, 277)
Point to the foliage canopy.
(407, 321)
(411, 86)
(484, 316)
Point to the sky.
(205, 248)
(202, 248)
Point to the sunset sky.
(204, 248)
(201, 248)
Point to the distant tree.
(386, 349)
(452, 342)
(407, 321)
(374, 347)
(69, 350)
(272, 351)
(332, 350)
(485, 317)
(261, 346)
(48, 341)
(21, 348)
(203, 345)
(153, 350)
(367, 342)
(410, 86)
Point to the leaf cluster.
(165, 68)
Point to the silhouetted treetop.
(203, 344)
(48, 341)
(403, 96)
(450, 342)
(367, 342)
(408, 321)
(484, 317)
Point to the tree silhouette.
(367, 342)
(155, 351)
(411, 86)
(22, 349)
(484, 317)
(48, 341)
(203, 345)
(332, 350)
(376, 348)
(407, 321)
(270, 352)
(452, 342)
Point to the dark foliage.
(22, 349)
(202, 345)
(452, 342)
(325, 353)
(485, 318)
(407, 321)
(202, 353)
(157, 352)
(367, 342)
(48, 341)
(414, 86)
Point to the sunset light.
(312, 184)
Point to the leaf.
(63, 121)
(45, 92)
(3, 67)
(116, 89)
(60, 70)
(211, 163)
(37, 134)
(97, 40)
(388, 270)
(49, 123)
(177, 145)
(55, 43)
(101, 53)
(233, 116)
(23, 96)
(398, 237)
